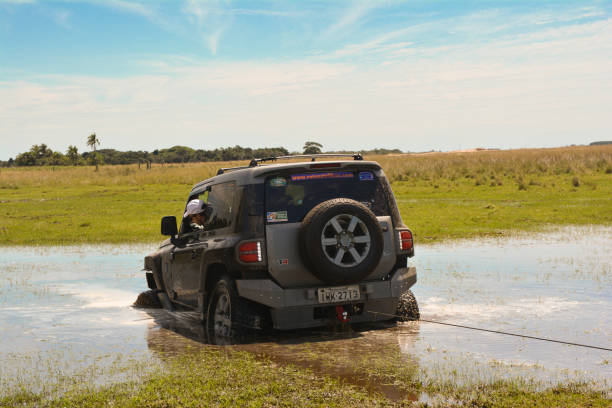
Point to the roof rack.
(313, 157)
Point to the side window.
(221, 198)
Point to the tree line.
(42, 155)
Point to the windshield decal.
(277, 216)
(319, 176)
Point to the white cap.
(194, 207)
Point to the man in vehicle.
(196, 215)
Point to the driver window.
(185, 227)
(221, 198)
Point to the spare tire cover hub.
(345, 240)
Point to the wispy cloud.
(213, 40)
(17, 1)
(146, 10)
(497, 27)
(351, 16)
(267, 12)
(62, 18)
(130, 7)
(209, 22)
(195, 11)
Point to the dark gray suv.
(292, 245)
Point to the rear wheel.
(408, 308)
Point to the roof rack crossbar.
(255, 162)
(226, 169)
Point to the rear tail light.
(250, 252)
(405, 240)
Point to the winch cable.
(499, 332)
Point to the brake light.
(324, 165)
(250, 252)
(405, 240)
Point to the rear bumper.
(299, 308)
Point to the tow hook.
(342, 314)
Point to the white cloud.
(547, 88)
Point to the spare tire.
(341, 241)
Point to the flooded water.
(65, 317)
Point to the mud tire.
(227, 316)
(407, 308)
(313, 252)
(148, 300)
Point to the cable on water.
(500, 332)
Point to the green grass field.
(440, 195)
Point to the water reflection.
(365, 355)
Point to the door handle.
(194, 253)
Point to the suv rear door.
(289, 197)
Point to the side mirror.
(168, 226)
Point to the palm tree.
(92, 141)
(73, 154)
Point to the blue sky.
(414, 75)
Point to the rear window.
(290, 198)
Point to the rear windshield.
(290, 198)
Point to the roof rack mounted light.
(313, 157)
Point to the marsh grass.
(440, 195)
(212, 377)
(514, 164)
(222, 378)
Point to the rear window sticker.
(366, 175)
(277, 216)
(278, 182)
(319, 176)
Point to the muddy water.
(65, 315)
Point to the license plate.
(339, 294)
